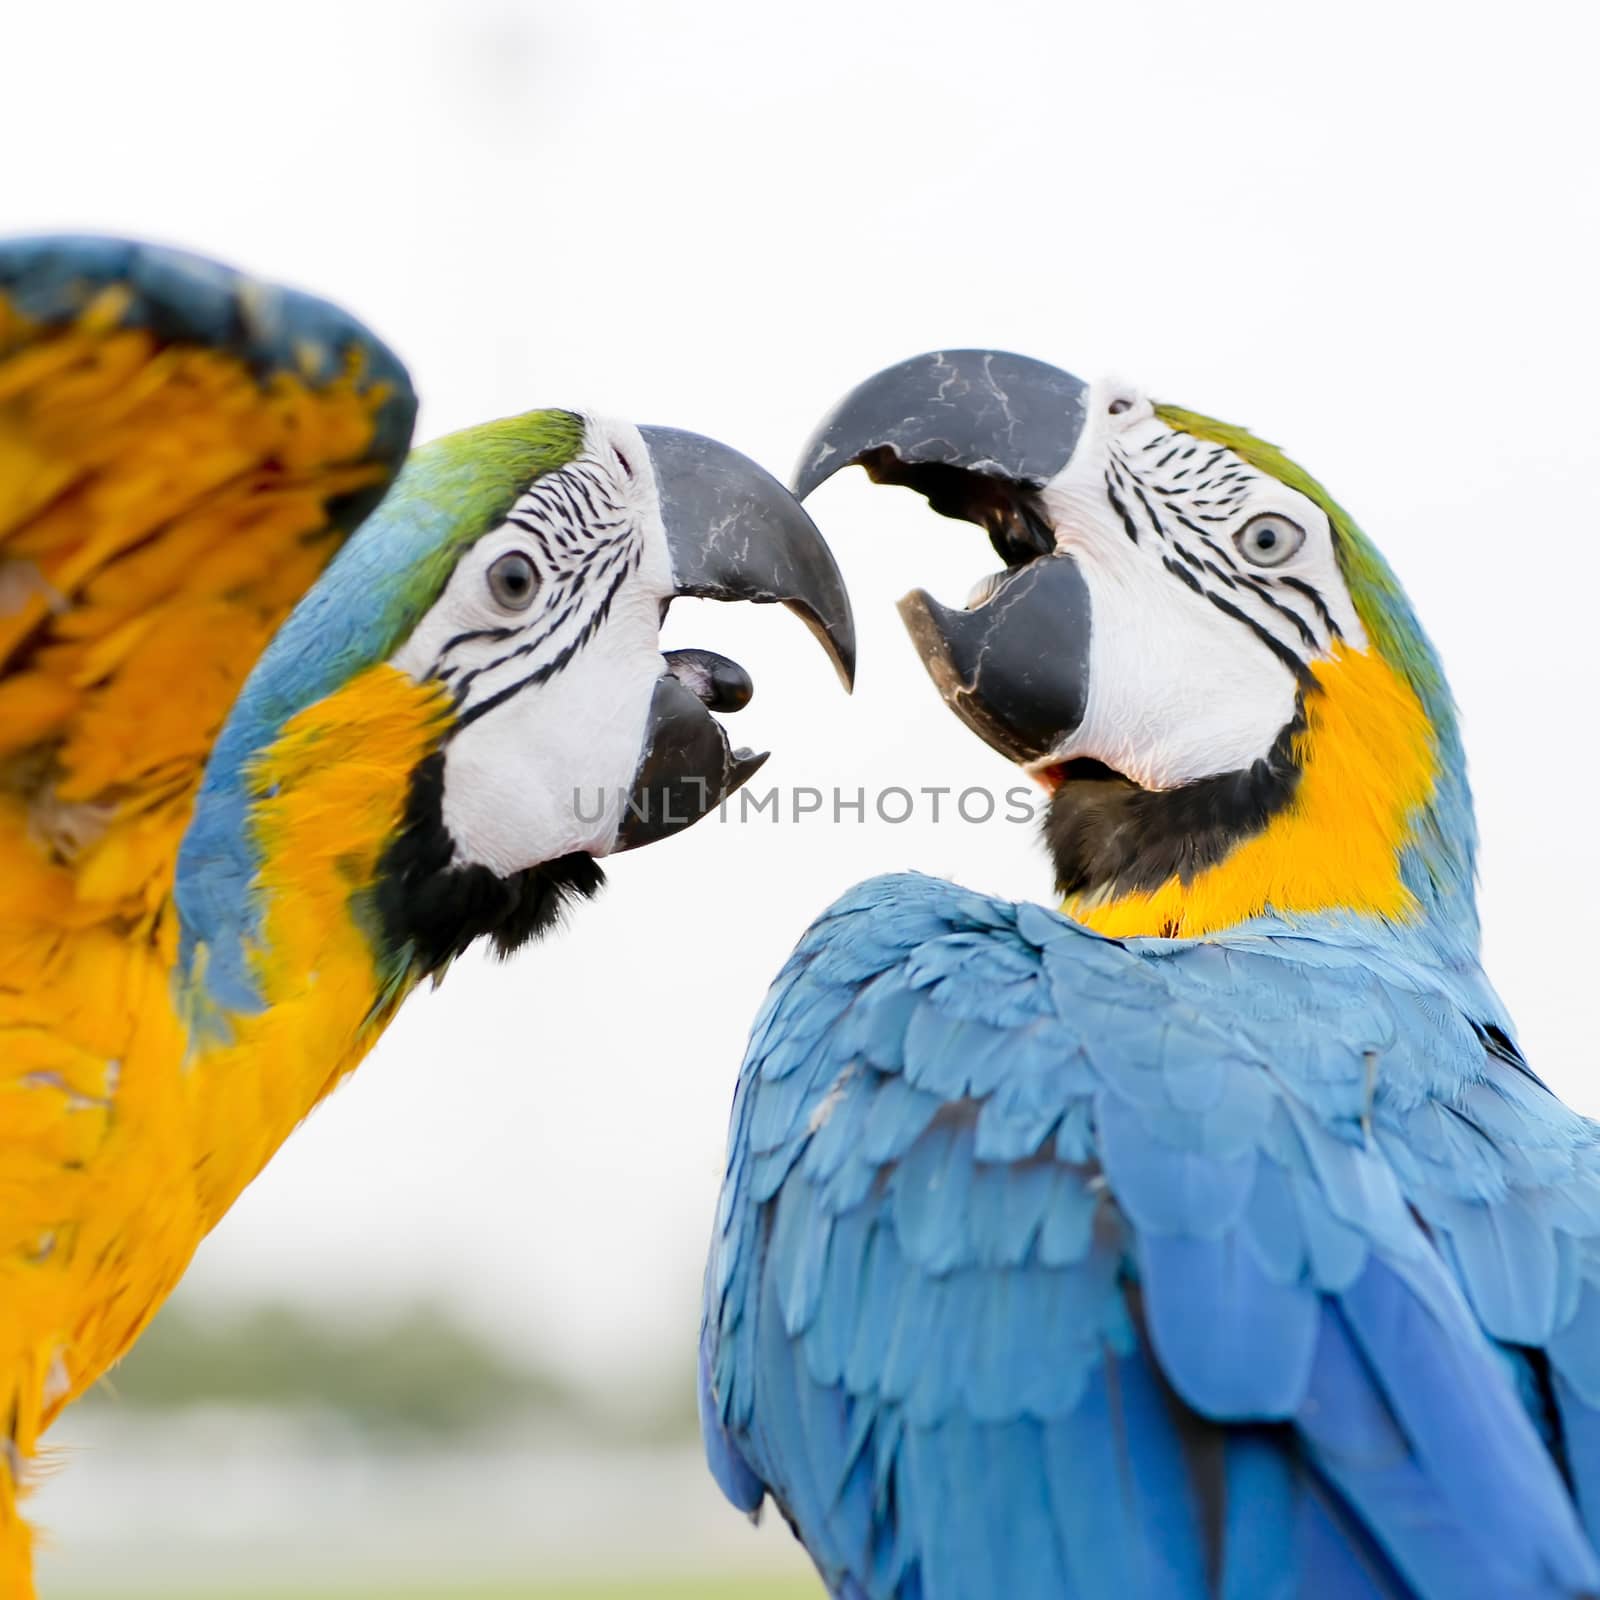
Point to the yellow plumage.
(161, 510)
(1368, 765)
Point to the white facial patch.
(1212, 587)
(553, 695)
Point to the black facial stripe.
(603, 565)
(1287, 656)
(1121, 510)
(1149, 510)
(550, 668)
(1316, 600)
(583, 488)
(1230, 487)
(1178, 570)
(570, 516)
(556, 497)
(564, 603)
(1259, 589)
(567, 492)
(535, 530)
(1189, 523)
(478, 633)
(556, 624)
(1221, 552)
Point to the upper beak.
(733, 533)
(979, 433)
(985, 412)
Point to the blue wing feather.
(1059, 1266)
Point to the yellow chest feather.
(124, 1138)
(1367, 765)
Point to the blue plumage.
(1052, 1265)
(187, 299)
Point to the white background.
(1367, 232)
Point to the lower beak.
(1016, 668)
(733, 533)
(979, 433)
(687, 769)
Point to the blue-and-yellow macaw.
(256, 781)
(1209, 1235)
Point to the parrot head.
(1208, 666)
(558, 544)
(476, 688)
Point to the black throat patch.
(1109, 837)
(434, 909)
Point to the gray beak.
(1016, 668)
(938, 418)
(733, 533)
(736, 533)
(978, 433)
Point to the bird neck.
(1351, 822)
(428, 907)
(283, 985)
(319, 885)
(283, 854)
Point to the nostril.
(718, 683)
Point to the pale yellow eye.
(1269, 540)
(513, 581)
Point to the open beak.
(979, 433)
(733, 533)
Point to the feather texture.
(182, 451)
(1205, 1307)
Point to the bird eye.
(513, 581)
(1269, 540)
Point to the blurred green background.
(262, 1451)
(419, 1373)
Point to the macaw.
(288, 720)
(1207, 1233)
